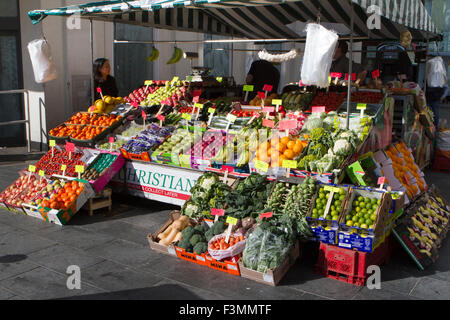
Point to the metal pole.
(28, 124)
(350, 66)
(92, 61)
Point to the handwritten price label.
(175, 78)
(144, 115)
(227, 168)
(267, 87)
(266, 215)
(247, 88)
(79, 169)
(63, 167)
(231, 220)
(160, 117)
(231, 118)
(268, 123)
(219, 79)
(268, 109)
(287, 124)
(91, 109)
(198, 105)
(41, 173)
(196, 99)
(52, 143)
(277, 102)
(186, 116)
(318, 109)
(211, 110)
(336, 75)
(217, 212)
(376, 73)
(148, 82)
(189, 78)
(111, 139)
(261, 165)
(99, 90)
(289, 164)
(301, 84)
(381, 180)
(70, 147)
(31, 168)
(262, 95)
(332, 189)
(135, 104)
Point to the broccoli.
(306, 159)
(200, 247)
(200, 229)
(195, 239)
(209, 234)
(218, 227)
(317, 133)
(187, 233)
(318, 149)
(184, 244)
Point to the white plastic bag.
(436, 72)
(319, 51)
(230, 252)
(41, 59)
(443, 140)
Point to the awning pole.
(350, 67)
(92, 61)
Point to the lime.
(361, 220)
(355, 218)
(324, 201)
(374, 206)
(349, 223)
(373, 200)
(348, 217)
(371, 226)
(334, 213)
(332, 207)
(328, 217)
(353, 212)
(321, 195)
(358, 209)
(364, 226)
(355, 203)
(367, 200)
(336, 196)
(335, 217)
(342, 197)
(338, 203)
(360, 199)
(314, 215)
(364, 211)
(378, 201)
(356, 224)
(368, 222)
(362, 204)
(367, 216)
(314, 211)
(373, 216)
(342, 191)
(318, 201)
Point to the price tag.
(148, 82)
(217, 212)
(144, 115)
(231, 221)
(91, 109)
(332, 189)
(353, 76)
(381, 180)
(219, 79)
(290, 164)
(268, 123)
(189, 78)
(196, 99)
(376, 73)
(63, 167)
(262, 95)
(267, 87)
(175, 79)
(160, 117)
(211, 110)
(135, 104)
(336, 75)
(52, 143)
(277, 102)
(301, 84)
(99, 90)
(261, 165)
(266, 215)
(186, 116)
(247, 87)
(197, 93)
(41, 173)
(287, 124)
(362, 107)
(329, 79)
(111, 139)
(231, 118)
(199, 105)
(70, 147)
(318, 109)
(79, 169)
(32, 168)
(268, 109)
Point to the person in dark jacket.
(262, 72)
(103, 80)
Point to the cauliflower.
(342, 147)
(190, 209)
(207, 180)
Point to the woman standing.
(103, 80)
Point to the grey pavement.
(116, 261)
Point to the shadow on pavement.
(162, 292)
(11, 258)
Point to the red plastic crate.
(350, 265)
(441, 163)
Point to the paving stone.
(111, 276)
(173, 290)
(151, 221)
(22, 242)
(161, 264)
(17, 298)
(381, 294)
(41, 283)
(8, 270)
(124, 252)
(4, 228)
(432, 289)
(79, 238)
(5, 295)
(311, 296)
(59, 257)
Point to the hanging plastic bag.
(226, 253)
(318, 55)
(436, 72)
(41, 59)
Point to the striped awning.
(258, 19)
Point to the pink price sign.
(381, 180)
(266, 215)
(287, 124)
(135, 104)
(70, 147)
(353, 76)
(217, 212)
(196, 99)
(301, 84)
(318, 109)
(262, 95)
(267, 87)
(268, 123)
(144, 115)
(160, 117)
(269, 109)
(111, 139)
(99, 90)
(376, 73)
(336, 75)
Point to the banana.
(154, 56)
(177, 55)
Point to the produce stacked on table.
(52, 164)
(139, 95)
(170, 94)
(173, 233)
(65, 196)
(257, 101)
(147, 139)
(297, 100)
(106, 105)
(52, 187)
(366, 97)
(23, 190)
(320, 205)
(276, 150)
(180, 141)
(100, 165)
(363, 213)
(101, 120)
(210, 145)
(331, 101)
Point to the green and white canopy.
(258, 19)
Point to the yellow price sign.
(211, 110)
(361, 106)
(261, 165)
(79, 169)
(219, 79)
(198, 105)
(186, 116)
(31, 168)
(247, 87)
(231, 118)
(41, 173)
(329, 79)
(63, 167)
(330, 188)
(231, 220)
(52, 143)
(175, 79)
(290, 164)
(277, 102)
(148, 82)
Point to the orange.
(281, 148)
(291, 145)
(285, 140)
(269, 151)
(297, 149)
(289, 154)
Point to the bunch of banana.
(154, 56)
(177, 55)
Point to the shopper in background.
(262, 72)
(341, 62)
(436, 89)
(103, 80)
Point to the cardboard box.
(224, 266)
(272, 277)
(166, 158)
(192, 257)
(326, 235)
(144, 156)
(153, 238)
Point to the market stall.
(254, 179)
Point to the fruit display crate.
(348, 265)
(94, 140)
(272, 277)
